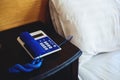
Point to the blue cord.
(17, 68)
(67, 39)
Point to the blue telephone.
(37, 44)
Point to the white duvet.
(104, 66)
(95, 26)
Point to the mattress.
(102, 66)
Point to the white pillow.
(94, 24)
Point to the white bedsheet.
(103, 66)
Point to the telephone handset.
(37, 44)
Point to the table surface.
(11, 53)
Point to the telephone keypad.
(47, 44)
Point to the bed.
(95, 27)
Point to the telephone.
(37, 44)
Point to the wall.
(18, 12)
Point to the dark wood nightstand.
(62, 65)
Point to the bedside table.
(62, 65)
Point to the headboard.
(19, 12)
